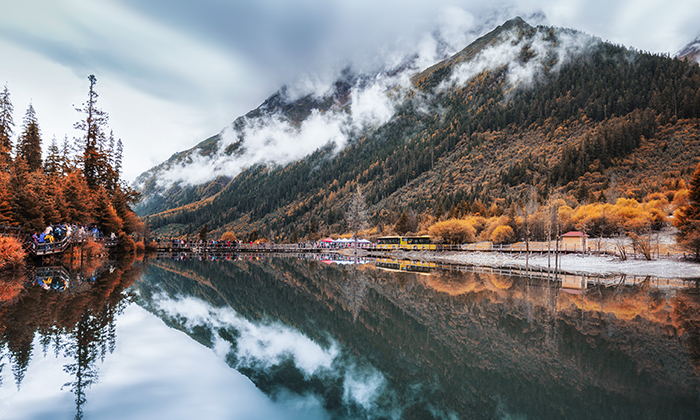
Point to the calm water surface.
(284, 338)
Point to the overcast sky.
(171, 73)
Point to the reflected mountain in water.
(73, 315)
(370, 343)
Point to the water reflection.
(382, 339)
(370, 343)
(71, 312)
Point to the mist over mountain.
(519, 107)
(313, 114)
(691, 52)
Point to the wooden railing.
(48, 248)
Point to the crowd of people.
(62, 231)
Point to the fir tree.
(401, 226)
(104, 213)
(6, 125)
(66, 164)
(118, 158)
(76, 196)
(92, 159)
(52, 164)
(29, 142)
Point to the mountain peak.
(690, 52)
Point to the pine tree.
(76, 196)
(118, 158)
(29, 142)
(104, 213)
(51, 205)
(66, 164)
(52, 165)
(92, 159)
(401, 226)
(6, 125)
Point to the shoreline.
(577, 264)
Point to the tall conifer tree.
(52, 165)
(92, 126)
(6, 125)
(66, 163)
(29, 142)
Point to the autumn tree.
(502, 235)
(204, 232)
(104, 213)
(77, 199)
(452, 231)
(27, 197)
(29, 142)
(401, 225)
(6, 210)
(688, 218)
(406, 223)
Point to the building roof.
(574, 234)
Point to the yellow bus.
(421, 243)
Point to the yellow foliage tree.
(452, 231)
(229, 236)
(503, 235)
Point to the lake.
(266, 337)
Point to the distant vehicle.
(406, 242)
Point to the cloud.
(273, 139)
(522, 71)
(263, 345)
(154, 372)
(186, 69)
(363, 387)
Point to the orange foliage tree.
(688, 218)
(11, 253)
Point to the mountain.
(520, 108)
(690, 52)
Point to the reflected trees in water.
(77, 323)
(478, 344)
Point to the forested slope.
(603, 123)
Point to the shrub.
(11, 253)
(10, 288)
(92, 250)
(126, 244)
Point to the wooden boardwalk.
(48, 248)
